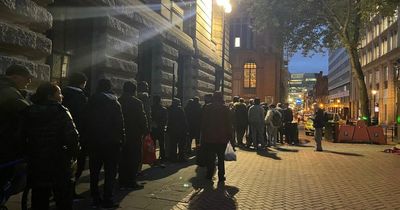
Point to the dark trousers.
(158, 135)
(98, 159)
(213, 150)
(62, 190)
(280, 135)
(240, 130)
(176, 142)
(131, 158)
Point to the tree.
(314, 25)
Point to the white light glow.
(228, 8)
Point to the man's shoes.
(319, 150)
(108, 204)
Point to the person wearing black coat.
(75, 100)
(52, 146)
(104, 126)
(193, 112)
(159, 117)
(135, 127)
(177, 130)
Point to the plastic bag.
(149, 150)
(230, 154)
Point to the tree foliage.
(314, 25)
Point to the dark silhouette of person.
(105, 135)
(159, 117)
(75, 100)
(52, 146)
(193, 112)
(177, 131)
(135, 127)
(216, 129)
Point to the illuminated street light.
(338, 101)
(374, 92)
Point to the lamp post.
(227, 9)
(374, 92)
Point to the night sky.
(300, 64)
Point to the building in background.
(339, 82)
(173, 45)
(379, 54)
(301, 86)
(257, 60)
(320, 91)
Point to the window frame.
(250, 69)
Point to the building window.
(237, 41)
(386, 77)
(250, 73)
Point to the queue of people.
(56, 130)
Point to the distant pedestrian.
(177, 131)
(319, 123)
(193, 115)
(75, 100)
(249, 138)
(280, 109)
(241, 120)
(159, 121)
(105, 132)
(256, 122)
(216, 133)
(52, 147)
(273, 121)
(288, 128)
(135, 128)
(234, 141)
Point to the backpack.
(276, 119)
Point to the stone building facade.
(158, 41)
(257, 61)
(379, 54)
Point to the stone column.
(22, 40)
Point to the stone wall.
(22, 40)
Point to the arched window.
(250, 73)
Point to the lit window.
(250, 73)
(237, 41)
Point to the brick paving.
(344, 176)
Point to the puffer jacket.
(51, 142)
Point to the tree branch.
(335, 18)
(346, 23)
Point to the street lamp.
(227, 9)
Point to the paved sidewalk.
(344, 176)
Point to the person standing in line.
(216, 132)
(135, 128)
(75, 100)
(144, 96)
(273, 121)
(159, 121)
(279, 108)
(319, 124)
(241, 120)
(51, 147)
(193, 114)
(231, 107)
(106, 135)
(256, 121)
(249, 138)
(287, 124)
(12, 103)
(177, 131)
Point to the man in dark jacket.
(135, 127)
(105, 135)
(12, 103)
(319, 124)
(216, 132)
(75, 100)
(193, 115)
(159, 116)
(177, 130)
(241, 120)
